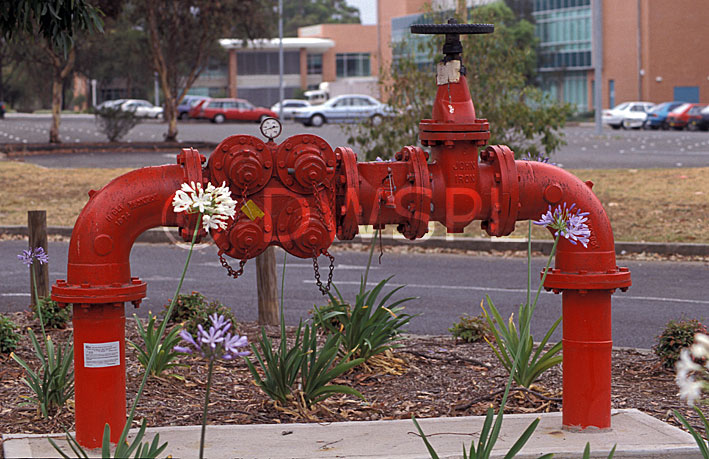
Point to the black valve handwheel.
(452, 28)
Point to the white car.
(349, 108)
(627, 115)
(142, 108)
(289, 107)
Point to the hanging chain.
(324, 290)
(230, 271)
(321, 211)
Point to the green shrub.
(677, 334)
(366, 328)
(53, 382)
(115, 123)
(470, 329)
(53, 315)
(8, 335)
(151, 339)
(193, 309)
(303, 370)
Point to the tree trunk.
(160, 66)
(170, 118)
(60, 71)
(266, 284)
(56, 109)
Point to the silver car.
(347, 108)
(289, 107)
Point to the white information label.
(100, 355)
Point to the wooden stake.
(267, 286)
(37, 229)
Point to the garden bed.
(428, 376)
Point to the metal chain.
(316, 268)
(319, 206)
(230, 271)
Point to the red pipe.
(587, 276)
(99, 282)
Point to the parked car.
(678, 118)
(343, 109)
(109, 104)
(694, 115)
(220, 110)
(189, 101)
(627, 115)
(289, 107)
(700, 123)
(142, 108)
(657, 117)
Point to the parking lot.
(612, 149)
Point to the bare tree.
(183, 36)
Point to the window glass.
(352, 64)
(314, 62)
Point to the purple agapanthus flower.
(568, 223)
(232, 344)
(214, 342)
(29, 256)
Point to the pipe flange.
(63, 292)
(504, 194)
(558, 281)
(415, 199)
(242, 161)
(347, 201)
(432, 132)
(305, 161)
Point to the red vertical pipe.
(587, 359)
(99, 371)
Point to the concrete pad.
(636, 434)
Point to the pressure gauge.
(271, 128)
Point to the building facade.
(652, 51)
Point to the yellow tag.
(251, 210)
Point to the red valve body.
(299, 194)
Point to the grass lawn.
(660, 205)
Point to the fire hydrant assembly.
(301, 193)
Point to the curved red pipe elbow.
(542, 185)
(114, 217)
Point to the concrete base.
(635, 434)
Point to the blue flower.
(29, 256)
(232, 343)
(214, 342)
(568, 223)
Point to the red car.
(220, 110)
(679, 117)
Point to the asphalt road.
(584, 149)
(446, 286)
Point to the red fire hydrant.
(301, 193)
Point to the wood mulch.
(428, 376)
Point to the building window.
(314, 64)
(266, 62)
(352, 65)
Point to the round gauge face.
(271, 128)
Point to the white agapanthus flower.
(692, 378)
(214, 203)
